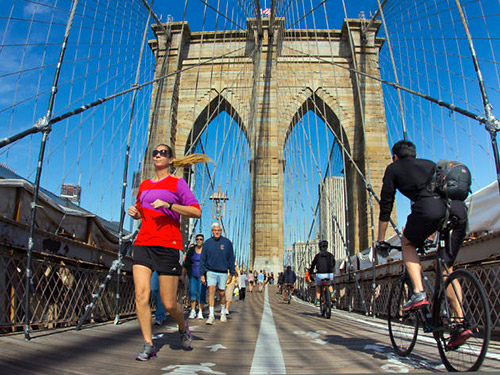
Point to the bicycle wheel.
(465, 326)
(403, 327)
(327, 300)
(322, 303)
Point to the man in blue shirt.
(217, 257)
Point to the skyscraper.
(332, 220)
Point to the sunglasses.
(199, 239)
(163, 153)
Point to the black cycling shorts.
(164, 260)
(426, 213)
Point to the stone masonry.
(267, 82)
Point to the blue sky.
(102, 58)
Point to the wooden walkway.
(259, 338)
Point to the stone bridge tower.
(266, 78)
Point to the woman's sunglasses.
(163, 153)
(199, 239)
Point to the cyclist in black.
(280, 282)
(288, 281)
(411, 176)
(324, 262)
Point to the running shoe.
(148, 351)
(458, 338)
(186, 337)
(317, 303)
(200, 315)
(210, 320)
(416, 301)
(223, 317)
(192, 314)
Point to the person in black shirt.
(411, 176)
(324, 262)
(288, 281)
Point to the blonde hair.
(187, 160)
(190, 160)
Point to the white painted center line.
(268, 358)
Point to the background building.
(72, 192)
(332, 223)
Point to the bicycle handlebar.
(383, 247)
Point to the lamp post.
(218, 204)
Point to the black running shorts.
(164, 260)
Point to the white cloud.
(36, 8)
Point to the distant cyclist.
(410, 175)
(288, 282)
(324, 262)
(280, 282)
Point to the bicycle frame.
(461, 329)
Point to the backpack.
(325, 263)
(452, 179)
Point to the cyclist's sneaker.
(159, 321)
(416, 301)
(200, 315)
(317, 303)
(148, 351)
(186, 338)
(210, 320)
(458, 338)
(223, 317)
(192, 314)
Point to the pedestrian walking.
(217, 258)
(242, 285)
(251, 281)
(191, 269)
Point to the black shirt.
(324, 262)
(289, 277)
(408, 175)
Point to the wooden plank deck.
(308, 344)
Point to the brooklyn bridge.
(297, 104)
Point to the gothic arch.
(213, 104)
(340, 121)
(322, 105)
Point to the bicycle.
(459, 306)
(288, 292)
(325, 299)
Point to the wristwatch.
(170, 205)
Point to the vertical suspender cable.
(45, 127)
(117, 263)
(403, 123)
(125, 173)
(362, 117)
(492, 124)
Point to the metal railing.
(61, 289)
(348, 298)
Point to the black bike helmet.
(323, 245)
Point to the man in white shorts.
(324, 262)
